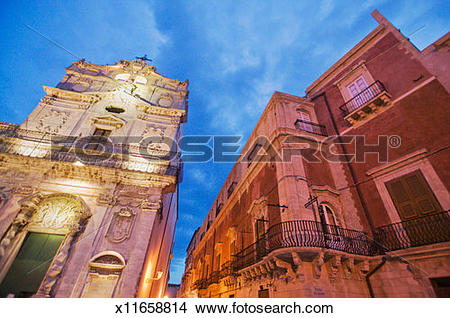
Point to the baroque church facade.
(89, 185)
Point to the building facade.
(89, 185)
(343, 192)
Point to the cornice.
(61, 169)
(71, 95)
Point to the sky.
(234, 53)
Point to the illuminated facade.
(366, 217)
(95, 216)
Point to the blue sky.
(235, 54)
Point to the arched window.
(122, 77)
(328, 220)
(328, 215)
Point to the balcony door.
(328, 222)
(30, 265)
(412, 196)
(260, 230)
(414, 201)
(305, 120)
(358, 91)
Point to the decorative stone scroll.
(121, 225)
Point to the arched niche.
(59, 213)
(105, 269)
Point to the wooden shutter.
(412, 196)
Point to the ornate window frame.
(31, 219)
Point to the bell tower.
(94, 169)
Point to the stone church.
(89, 185)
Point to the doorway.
(30, 265)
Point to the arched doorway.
(36, 246)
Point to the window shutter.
(412, 196)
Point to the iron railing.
(213, 278)
(311, 127)
(200, 283)
(304, 233)
(363, 98)
(425, 230)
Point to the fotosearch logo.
(225, 149)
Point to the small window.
(94, 144)
(115, 109)
(219, 208)
(231, 188)
(252, 155)
(263, 293)
(140, 80)
(122, 77)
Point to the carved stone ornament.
(52, 121)
(317, 265)
(55, 213)
(121, 225)
(107, 263)
(24, 189)
(334, 264)
(106, 199)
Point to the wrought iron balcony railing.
(303, 233)
(200, 284)
(213, 278)
(425, 230)
(430, 229)
(363, 98)
(311, 127)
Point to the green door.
(28, 269)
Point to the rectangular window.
(412, 196)
(218, 260)
(263, 293)
(253, 153)
(232, 248)
(219, 208)
(98, 132)
(231, 189)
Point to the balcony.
(213, 278)
(425, 230)
(303, 233)
(365, 103)
(310, 127)
(200, 284)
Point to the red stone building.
(362, 210)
